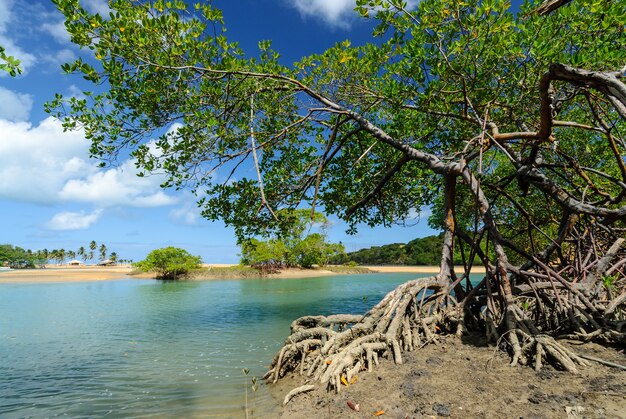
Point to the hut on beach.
(75, 262)
(107, 262)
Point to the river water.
(143, 348)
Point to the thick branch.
(381, 184)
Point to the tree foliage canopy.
(420, 251)
(510, 123)
(169, 262)
(366, 131)
(294, 245)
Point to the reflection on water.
(149, 348)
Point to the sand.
(65, 273)
(465, 378)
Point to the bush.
(169, 262)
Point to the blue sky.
(53, 196)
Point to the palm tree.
(92, 246)
(61, 256)
(113, 257)
(71, 254)
(81, 252)
(53, 254)
(103, 252)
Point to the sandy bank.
(65, 274)
(55, 273)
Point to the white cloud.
(97, 6)
(35, 161)
(187, 214)
(335, 13)
(117, 186)
(73, 220)
(15, 106)
(60, 57)
(57, 30)
(5, 13)
(42, 164)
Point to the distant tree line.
(421, 251)
(17, 257)
(295, 245)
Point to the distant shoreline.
(65, 273)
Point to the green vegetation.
(224, 272)
(169, 262)
(9, 63)
(509, 123)
(424, 251)
(16, 257)
(292, 246)
(348, 269)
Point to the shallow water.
(132, 348)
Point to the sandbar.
(65, 273)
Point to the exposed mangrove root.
(541, 349)
(296, 391)
(333, 349)
(545, 305)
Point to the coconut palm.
(103, 252)
(82, 253)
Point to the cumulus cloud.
(336, 13)
(42, 164)
(14, 106)
(35, 161)
(117, 186)
(73, 220)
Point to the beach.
(66, 273)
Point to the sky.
(53, 196)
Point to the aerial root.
(544, 348)
(296, 391)
(332, 350)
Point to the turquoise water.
(134, 348)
